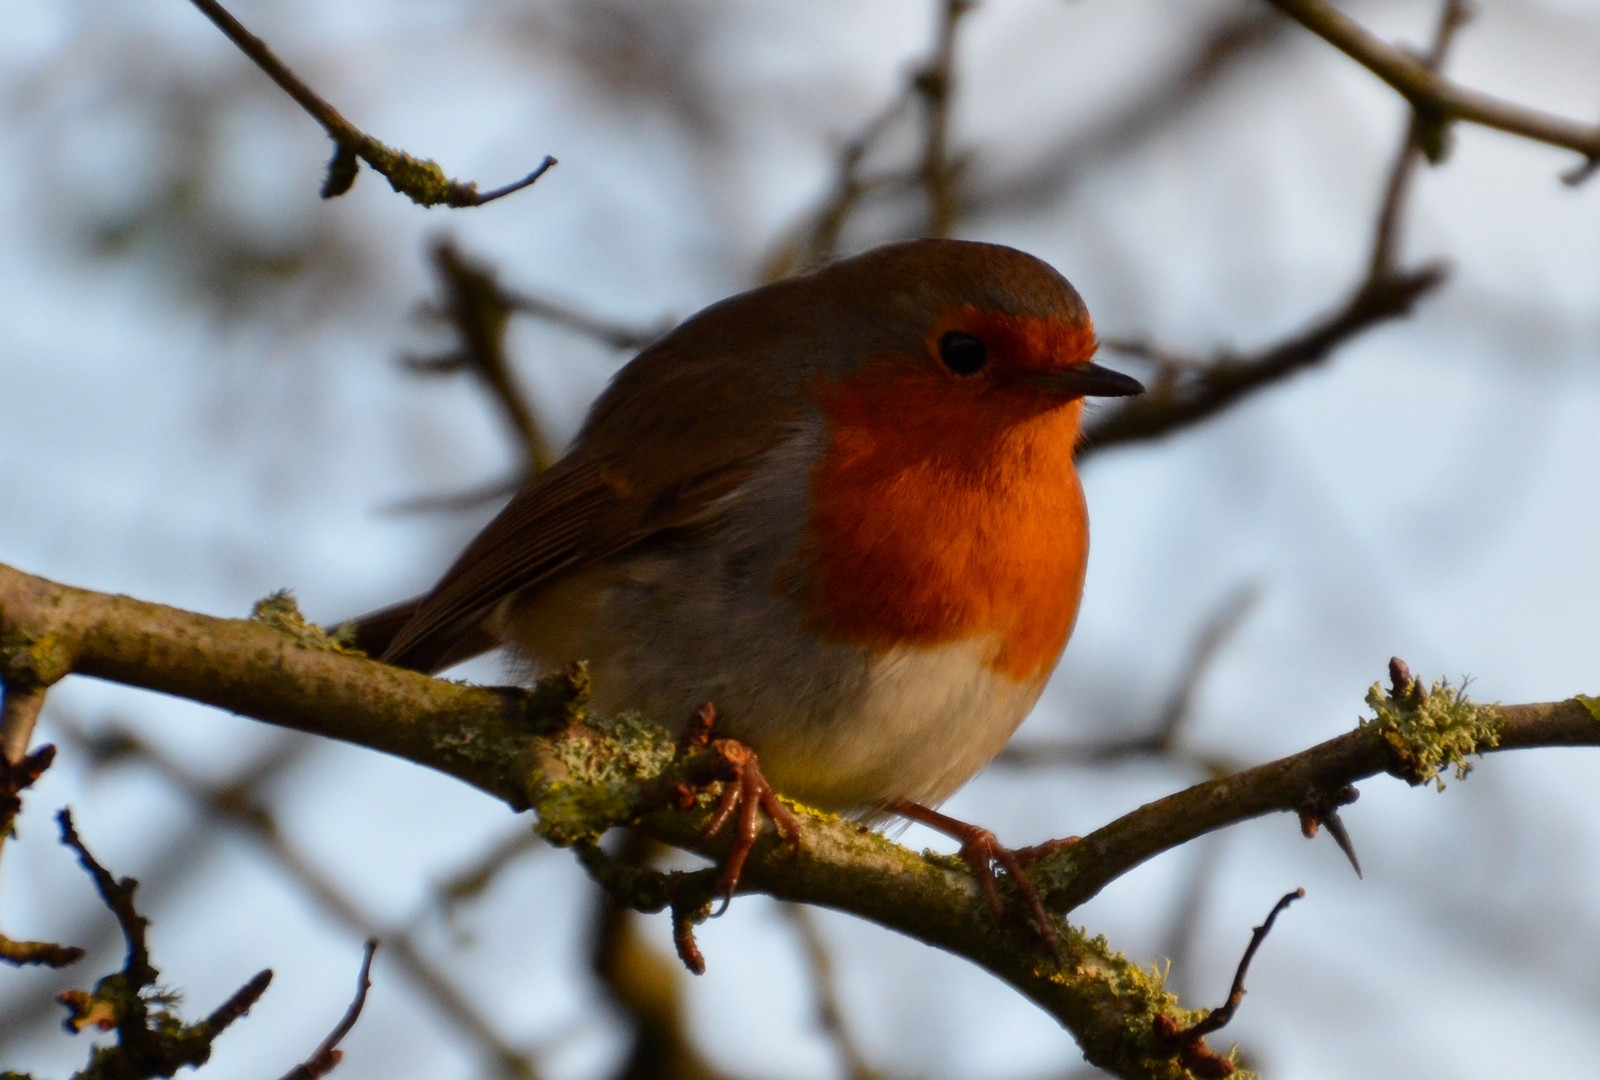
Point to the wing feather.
(678, 431)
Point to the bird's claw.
(745, 793)
(982, 851)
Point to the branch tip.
(327, 1055)
(420, 180)
(1188, 1044)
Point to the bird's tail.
(373, 633)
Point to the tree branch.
(423, 182)
(1187, 391)
(1434, 95)
(235, 805)
(534, 749)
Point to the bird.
(840, 507)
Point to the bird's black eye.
(963, 353)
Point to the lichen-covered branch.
(535, 749)
(422, 181)
(1414, 738)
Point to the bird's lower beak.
(1087, 380)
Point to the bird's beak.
(1086, 380)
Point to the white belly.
(924, 722)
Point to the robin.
(842, 507)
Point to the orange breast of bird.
(947, 510)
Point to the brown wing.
(678, 429)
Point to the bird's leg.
(982, 851)
(744, 791)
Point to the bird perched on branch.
(842, 507)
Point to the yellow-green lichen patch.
(597, 776)
(1590, 703)
(1138, 995)
(1430, 732)
(420, 179)
(41, 661)
(281, 612)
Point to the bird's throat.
(940, 517)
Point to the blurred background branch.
(1438, 100)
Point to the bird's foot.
(745, 793)
(982, 851)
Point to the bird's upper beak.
(1086, 380)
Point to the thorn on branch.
(1189, 1044)
(327, 1055)
(422, 181)
(1321, 807)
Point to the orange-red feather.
(945, 509)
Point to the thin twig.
(930, 85)
(478, 308)
(1421, 135)
(1220, 1016)
(151, 1038)
(646, 985)
(422, 181)
(1184, 393)
(1189, 1043)
(620, 336)
(118, 896)
(472, 880)
(328, 1055)
(15, 778)
(1187, 912)
(456, 502)
(1218, 50)
(237, 808)
(934, 83)
(239, 1004)
(1434, 95)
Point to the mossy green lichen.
(1431, 731)
(281, 611)
(1129, 1044)
(419, 179)
(1592, 704)
(596, 776)
(41, 661)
